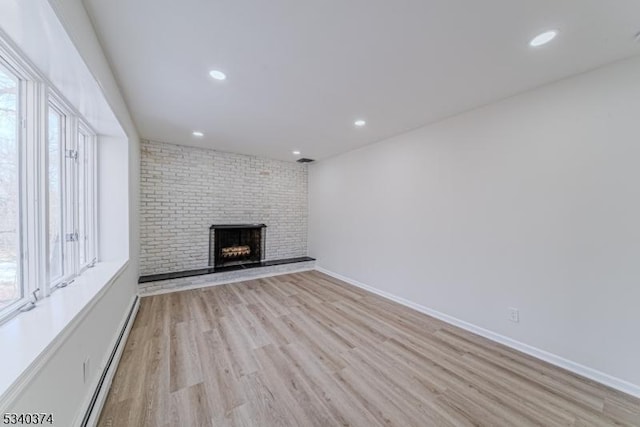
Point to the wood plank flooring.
(308, 350)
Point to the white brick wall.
(184, 190)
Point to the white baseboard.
(576, 368)
(100, 385)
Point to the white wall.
(532, 202)
(115, 239)
(58, 387)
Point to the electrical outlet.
(86, 370)
(514, 315)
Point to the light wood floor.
(307, 350)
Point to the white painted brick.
(184, 190)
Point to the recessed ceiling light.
(544, 38)
(359, 123)
(198, 134)
(218, 75)
(296, 153)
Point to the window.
(71, 200)
(47, 188)
(86, 197)
(55, 168)
(11, 290)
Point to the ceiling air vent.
(305, 160)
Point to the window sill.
(29, 338)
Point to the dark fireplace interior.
(236, 244)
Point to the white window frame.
(53, 103)
(91, 182)
(30, 134)
(37, 95)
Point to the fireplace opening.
(236, 244)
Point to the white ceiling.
(300, 72)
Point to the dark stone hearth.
(203, 271)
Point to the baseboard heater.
(96, 393)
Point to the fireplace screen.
(236, 244)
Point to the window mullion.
(70, 213)
(44, 184)
(36, 119)
(93, 198)
(35, 218)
